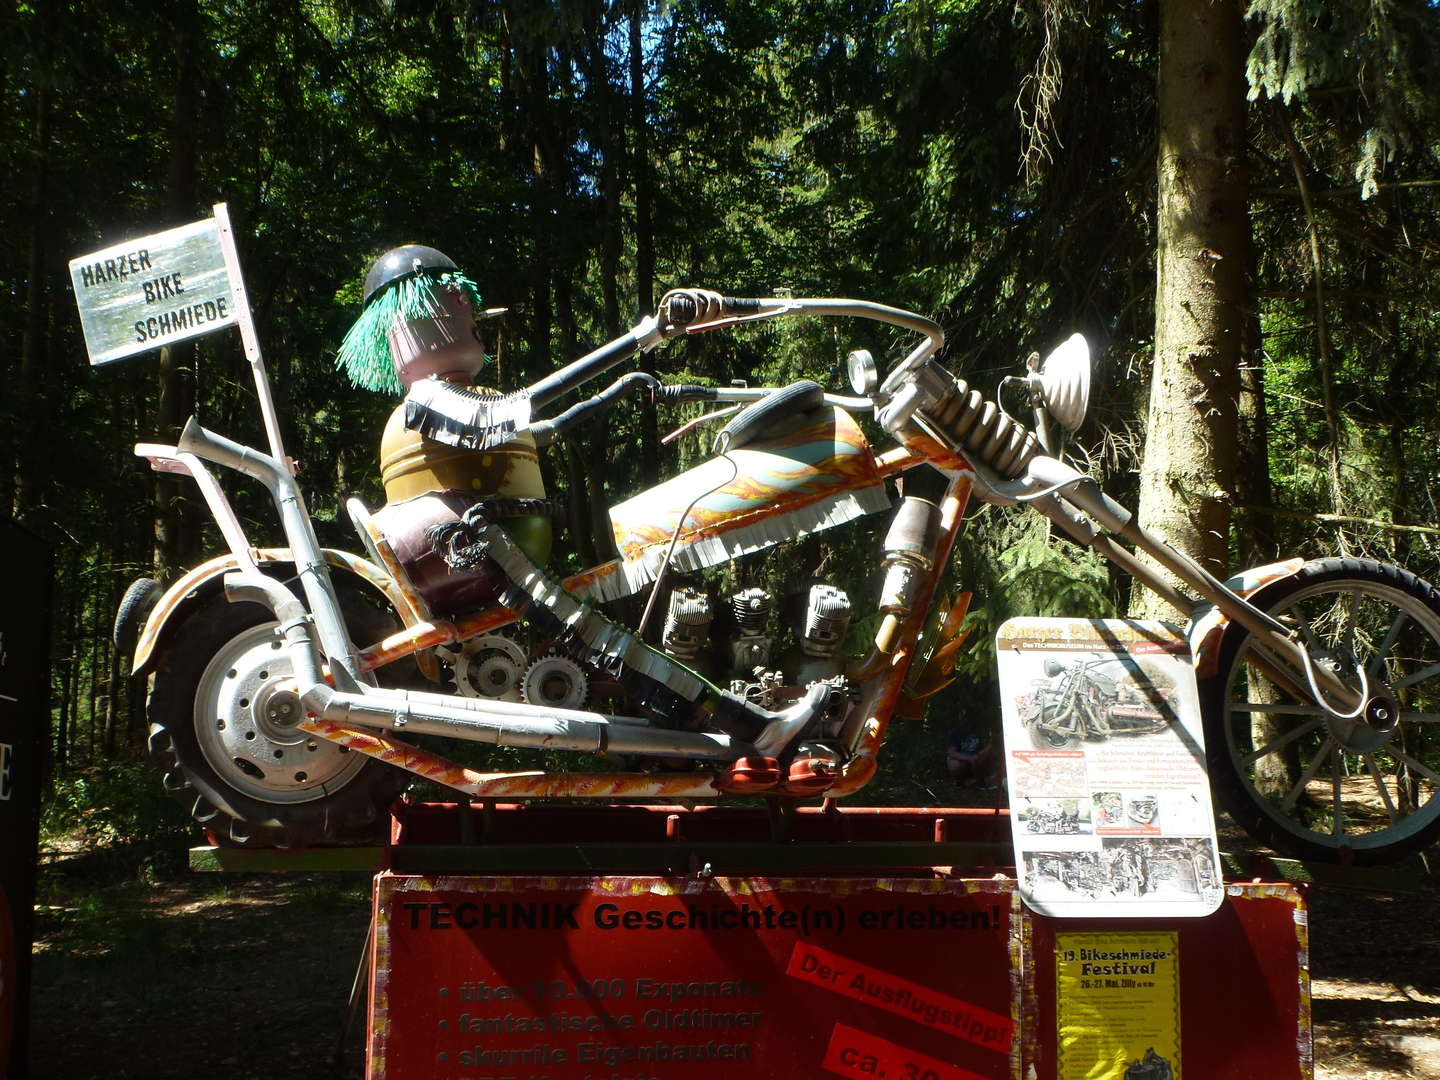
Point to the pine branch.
(1340, 519)
(1334, 193)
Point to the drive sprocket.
(490, 666)
(556, 682)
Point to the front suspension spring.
(975, 424)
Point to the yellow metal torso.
(428, 483)
(412, 465)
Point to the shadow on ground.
(192, 975)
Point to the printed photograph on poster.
(1105, 760)
(1096, 697)
(1059, 817)
(1167, 869)
(1049, 774)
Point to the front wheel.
(1299, 777)
(1044, 735)
(224, 729)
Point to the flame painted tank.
(811, 471)
(429, 483)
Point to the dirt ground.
(233, 977)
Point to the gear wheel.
(556, 683)
(491, 666)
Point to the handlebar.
(696, 310)
(683, 308)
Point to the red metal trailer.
(649, 941)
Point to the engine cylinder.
(687, 624)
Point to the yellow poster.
(1118, 1006)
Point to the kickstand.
(358, 991)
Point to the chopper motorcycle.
(1082, 700)
(278, 720)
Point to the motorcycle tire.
(1052, 740)
(757, 418)
(253, 782)
(133, 609)
(1317, 786)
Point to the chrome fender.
(1207, 630)
(201, 582)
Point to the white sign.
(149, 292)
(1105, 760)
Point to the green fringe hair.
(365, 352)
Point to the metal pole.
(248, 336)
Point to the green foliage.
(865, 147)
(1381, 52)
(113, 803)
(1027, 572)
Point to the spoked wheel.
(224, 727)
(1310, 780)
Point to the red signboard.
(1244, 987)
(645, 977)
(657, 978)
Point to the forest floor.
(170, 975)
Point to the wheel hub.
(1376, 722)
(1372, 729)
(247, 716)
(276, 711)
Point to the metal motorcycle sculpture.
(272, 716)
(1080, 701)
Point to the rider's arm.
(474, 420)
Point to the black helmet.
(402, 262)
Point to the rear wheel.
(224, 727)
(1304, 780)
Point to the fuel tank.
(810, 472)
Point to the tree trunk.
(1188, 476)
(532, 70)
(63, 713)
(177, 520)
(644, 236)
(1255, 529)
(30, 390)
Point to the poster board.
(565, 977)
(569, 978)
(1105, 760)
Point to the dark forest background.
(992, 163)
